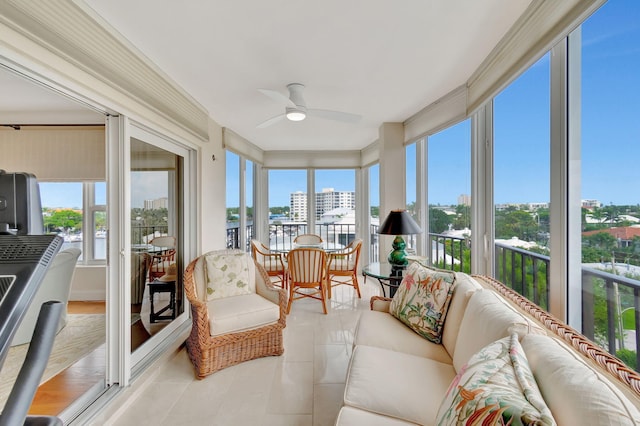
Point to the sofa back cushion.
(465, 286)
(575, 392)
(487, 318)
(495, 387)
(422, 300)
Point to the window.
(609, 151)
(287, 207)
(449, 188)
(374, 207)
(521, 182)
(77, 212)
(335, 204)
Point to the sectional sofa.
(490, 357)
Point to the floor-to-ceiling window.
(521, 182)
(610, 132)
(287, 207)
(449, 187)
(374, 208)
(335, 204)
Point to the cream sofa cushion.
(495, 387)
(575, 393)
(349, 416)
(396, 384)
(465, 286)
(382, 330)
(487, 318)
(239, 313)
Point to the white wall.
(89, 283)
(212, 183)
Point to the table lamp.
(398, 223)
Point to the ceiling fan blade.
(272, 120)
(278, 97)
(345, 117)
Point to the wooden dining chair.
(344, 263)
(161, 260)
(274, 263)
(307, 275)
(307, 239)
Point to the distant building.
(464, 199)
(623, 234)
(158, 203)
(298, 206)
(591, 204)
(327, 200)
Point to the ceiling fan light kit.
(296, 107)
(296, 114)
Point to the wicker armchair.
(344, 263)
(235, 328)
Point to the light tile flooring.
(302, 387)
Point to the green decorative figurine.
(398, 256)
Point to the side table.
(387, 275)
(157, 286)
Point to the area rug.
(82, 334)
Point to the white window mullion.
(482, 192)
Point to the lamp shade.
(399, 222)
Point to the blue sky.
(610, 133)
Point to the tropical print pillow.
(227, 275)
(496, 387)
(422, 300)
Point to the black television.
(20, 208)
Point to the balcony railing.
(523, 271)
(144, 234)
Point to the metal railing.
(144, 234)
(523, 271)
(449, 252)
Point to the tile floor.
(302, 387)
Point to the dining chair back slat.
(307, 275)
(344, 263)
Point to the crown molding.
(71, 31)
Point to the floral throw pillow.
(495, 387)
(422, 300)
(227, 275)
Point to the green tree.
(512, 222)
(463, 217)
(66, 220)
(438, 221)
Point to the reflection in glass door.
(156, 255)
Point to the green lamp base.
(398, 257)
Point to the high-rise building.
(158, 203)
(328, 199)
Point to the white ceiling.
(381, 59)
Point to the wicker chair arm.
(266, 289)
(380, 304)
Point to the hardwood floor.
(58, 393)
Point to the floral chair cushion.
(227, 275)
(422, 300)
(495, 387)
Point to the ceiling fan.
(296, 108)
